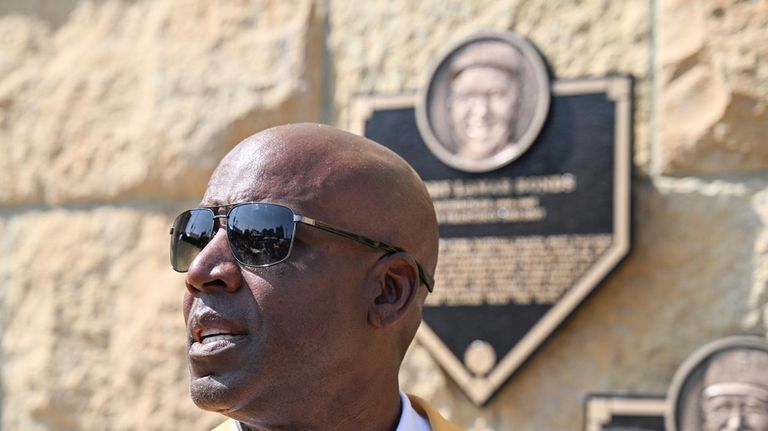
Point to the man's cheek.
(186, 306)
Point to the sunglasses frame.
(317, 224)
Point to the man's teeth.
(213, 338)
(213, 331)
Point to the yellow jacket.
(436, 421)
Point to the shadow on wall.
(55, 13)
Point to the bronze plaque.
(722, 386)
(624, 413)
(529, 223)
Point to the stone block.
(389, 48)
(712, 98)
(678, 289)
(93, 337)
(135, 100)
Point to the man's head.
(336, 315)
(484, 98)
(735, 396)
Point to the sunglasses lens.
(260, 234)
(192, 231)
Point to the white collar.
(410, 420)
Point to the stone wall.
(113, 114)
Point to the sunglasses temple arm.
(426, 278)
(347, 234)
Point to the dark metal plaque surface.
(624, 413)
(523, 244)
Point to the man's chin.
(210, 393)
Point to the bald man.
(307, 265)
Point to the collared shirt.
(410, 420)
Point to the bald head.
(342, 179)
(329, 174)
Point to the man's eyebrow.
(217, 207)
(221, 207)
(210, 202)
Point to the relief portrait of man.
(484, 99)
(486, 103)
(735, 395)
(728, 391)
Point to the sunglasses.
(259, 234)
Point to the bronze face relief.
(485, 103)
(721, 387)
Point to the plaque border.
(600, 408)
(617, 88)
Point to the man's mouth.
(212, 342)
(209, 336)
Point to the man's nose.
(480, 106)
(214, 268)
(735, 421)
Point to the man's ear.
(394, 286)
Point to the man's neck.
(358, 407)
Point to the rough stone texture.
(637, 328)
(94, 334)
(4, 282)
(389, 47)
(129, 100)
(713, 86)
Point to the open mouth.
(213, 341)
(209, 336)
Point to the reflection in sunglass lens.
(192, 231)
(260, 234)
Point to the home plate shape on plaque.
(531, 184)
